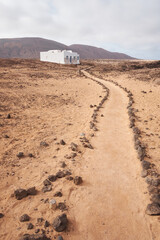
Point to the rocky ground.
(49, 116)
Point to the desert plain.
(86, 136)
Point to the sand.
(48, 102)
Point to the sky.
(127, 26)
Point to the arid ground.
(87, 136)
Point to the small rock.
(31, 191)
(87, 145)
(78, 180)
(46, 182)
(20, 155)
(24, 218)
(1, 215)
(30, 155)
(62, 206)
(62, 142)
(146, 165)
(9, 116)
(40, 220)
(30, 226)
(44, 144)
(153, 209)
(144, 173)
(72, 155)
(47, 188)
(63, 165)
(52, 178)
(60, 174)
(20, 193)
(6, 136)
(156, 198)
(69, 178)
(34, 237)
(46, 224)
(58, 194)
(60, 223)
(37, 230)
(74, 147)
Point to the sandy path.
(111, 203)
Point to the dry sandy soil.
(42, 104)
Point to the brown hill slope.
(27, 47)
(90, 52)
(31, 48)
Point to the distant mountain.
(31, 48)
(89, 52)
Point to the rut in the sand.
(112, 203)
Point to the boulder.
(24, 218)
(60, 223)
(31, 191)
(20, 193)
(153, 209)
(52, 178)
(78, 180)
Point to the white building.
(58, 56)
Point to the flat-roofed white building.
(58, 56)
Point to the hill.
(90, 52)
(31, 48)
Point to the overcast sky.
(128, 26)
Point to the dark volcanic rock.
(78, 180)
(60, 174)
(63, 165)
(20, 155)
(46, 182)
(69, 178)
(156, 198)
(74, 147)
(31, 191)
(24, 218)
(62, 206)
(87, 145)
(141, 152)
(146, 165)
(52, 178)
(9, 116)
(30, 155)
(46, 224)
(34, 237)
(1, 215)
(62, 142)
(20, 193)
(153, 209)
(30, 226)
(47, 188)
(44, 144)
(58, 194)
(40, 220)
(60, 223)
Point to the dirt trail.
(111, 203)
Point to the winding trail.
(111, 205)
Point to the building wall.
(58, 56)
(52, 56)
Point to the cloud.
(129, 26)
